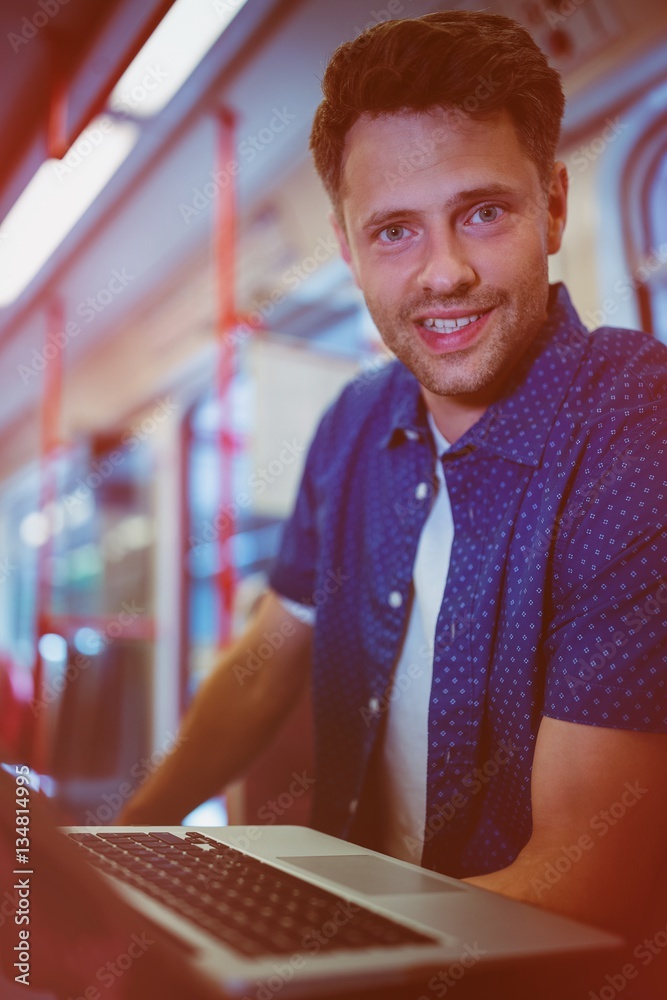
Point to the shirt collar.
(516, 426)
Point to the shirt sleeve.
(305, 613)
(607, 641)
(294, 571)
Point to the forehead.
(395, 154)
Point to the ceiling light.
(55, 199)
(177, 46)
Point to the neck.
(454, 415)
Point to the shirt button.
(395, 599)
(411, 435)
(353, 805)
(374, 705)
(422, 491)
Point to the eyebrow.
(385, 216)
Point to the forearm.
(599, 824)
(525, 880)
(234, 715)
(564, 879)
(220, 734)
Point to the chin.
(460, 379)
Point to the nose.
(446, 268)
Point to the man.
(511, 731)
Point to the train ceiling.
(267, 63)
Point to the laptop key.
(245, 903)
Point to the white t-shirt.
(405, 750)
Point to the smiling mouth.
(450, 325)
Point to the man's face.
(447, 230)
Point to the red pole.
(224, 253)
(50, 442)
(56, 125)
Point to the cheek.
(387, 273)
(375, 281)
(515, 259)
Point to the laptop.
(286, 909)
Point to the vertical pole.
(50, 441)
(224, 254)
(49, 432)
(56, 126)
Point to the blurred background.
(174, 318)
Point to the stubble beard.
(514, 325)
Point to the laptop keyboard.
(247, 904)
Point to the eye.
(392, 234)
(487, 213)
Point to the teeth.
(449, 325)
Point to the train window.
(80, 612)
(103, 561)
(656, 241)
(241, 472)
(229, 543)
(643, 185)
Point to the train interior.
(175, 318)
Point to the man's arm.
(599, 801)
(235, 713)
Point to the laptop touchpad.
(373, 876)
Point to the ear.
(557, 206)
(341, 236)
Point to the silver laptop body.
(465, 927)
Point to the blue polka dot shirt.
(556, 598)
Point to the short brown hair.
(474, 62)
